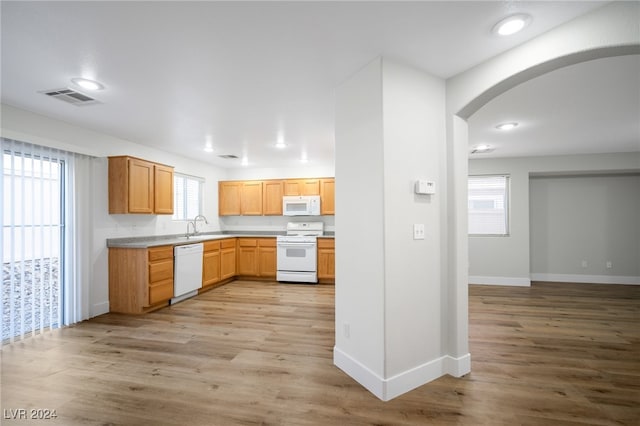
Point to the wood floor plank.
(261, 353)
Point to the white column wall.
(413, 117)
(389, 121)
(359, 290)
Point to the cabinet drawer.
(162, 270)
(162, 252)
(247, 242)
(326, 243)
(228, 243)
(211, 245)
(160, 291)
(267, 242)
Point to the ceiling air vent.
(71, 96)
(228, 156)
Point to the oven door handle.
(296, 245)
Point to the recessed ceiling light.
(479, 149)
(507, 126)
(281, 145)
(87, 84)
(245, 161)
(208, 147)
(512, 24)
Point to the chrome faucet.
(194, 222)
(194, 228)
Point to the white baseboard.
(387, 389)
(593, 279)
(99, 309)
(509, 281)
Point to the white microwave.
(301, 205)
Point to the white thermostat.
(425, 187)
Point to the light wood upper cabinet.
(229, 198)
(302, 187)
(139, 186)
(163, 189)
(272, 191)
(327, 196)
(141, 192)
(264, 197)
(251, 198)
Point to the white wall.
(388, 285)
(506, 260)
(591, 218)
(29, 127)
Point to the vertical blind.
(488, 205)
(40, 289)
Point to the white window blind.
(46, 198)
(32, 227)
(489, 205)
(187, 197)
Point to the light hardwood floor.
(260, 353)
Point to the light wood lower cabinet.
(211, 263)
(326, 260)
(227, 258)
(140, 279)
(257, 257)
(267, 265)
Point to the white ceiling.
(242, 73)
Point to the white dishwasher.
(187, 271)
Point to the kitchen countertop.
(180, 239)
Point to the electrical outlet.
(584, 264)
(609, 264)
(346, 330)
(418, 231)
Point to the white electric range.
(296, 252)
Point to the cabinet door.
(327, 196)
(210, 267)
(163, 189)
(251, 198)
(326, 258)
(247, 257)
(141, 174)
(229, 198)
(302, 187)
(310, 187)
(227, 258)
(291, 187)
(272, 191)
(267, 266)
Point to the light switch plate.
(418, 231)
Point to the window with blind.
(488, 204)
(187, 197)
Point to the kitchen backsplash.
(270, 223)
